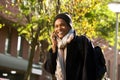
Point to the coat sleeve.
(50, 62)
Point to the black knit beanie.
(66, 17)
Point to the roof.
(9, 13)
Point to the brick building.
(14, 49)
(14, 54)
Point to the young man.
(70, 57)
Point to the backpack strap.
(84, 53)
(89, 64)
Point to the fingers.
(54, 41)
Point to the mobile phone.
(55, 36)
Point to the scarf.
(62, 52)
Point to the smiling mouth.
(60, 33)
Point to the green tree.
(36, 22)
(92, 18)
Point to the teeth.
(60, 32)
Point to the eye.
(56, 26)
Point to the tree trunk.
(32, 51)
(58, 7)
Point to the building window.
(8, 43)
(19, 46)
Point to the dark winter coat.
(80, 64)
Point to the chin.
(60, 37)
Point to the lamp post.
(115, 7)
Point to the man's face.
(61, 28)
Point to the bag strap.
(82, 42)
(84, 52)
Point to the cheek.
(55, 30)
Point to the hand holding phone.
(54, 41)
(54, 36)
